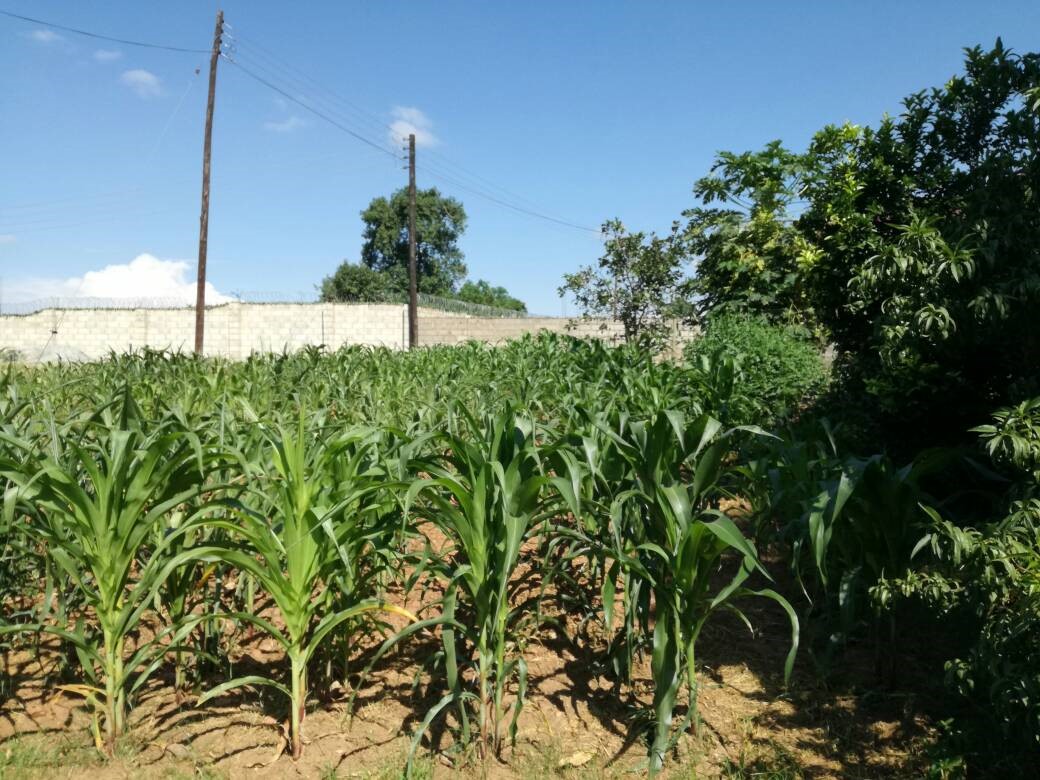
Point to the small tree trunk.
(250, 603)
(498, 691)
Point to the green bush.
(985, 575)
(911, 243)
(778, 368)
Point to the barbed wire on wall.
(25, 308)
(22, 308)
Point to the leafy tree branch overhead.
(912, 246)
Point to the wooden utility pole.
(200, 289)
(413, 281)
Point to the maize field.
(275, 534)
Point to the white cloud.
(145, 277)
(107, 55)
(145, 83)
(287, 125)
(407, 121)
(44, 36)
(7, 238)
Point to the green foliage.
(439, 223)
(650, 521)
(355, 284)
(487, 493)
(912, 245)
(987, 575)
(94, 504)
(1014, 438)
(295, 524)
(640, 281)
(847, 526)
(988, 579)
(483, 293)
(1002, 666)
(778, 370)
(316, 538)
(596, 472)
(382, 274)
(749, 260)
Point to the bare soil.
(576, 722)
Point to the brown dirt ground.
(574, 724)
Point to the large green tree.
(914, 245)
(439, 223)
(382, 274)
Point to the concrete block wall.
(236, 330)
(439, 329)
(233, 330)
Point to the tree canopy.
(355, 284)
(382, 273)
(913, 246)
(483, 293)
(439, 223)
(640, 280)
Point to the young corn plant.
(487, 493)
(850, 523)
(323, 512)
(662, 536)
(183, 593)
(94, 509)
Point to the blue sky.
(580, 110)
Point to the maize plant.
(487, 493)
(661, 535)
(185, 589)
(179, 515)
(94, 509)
(306, 528)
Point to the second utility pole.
(200, 287)
(413, 281)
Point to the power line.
(100, 37)
(284, 71)
(113, 217)
(427, 168)
(288, 69)
(313, 110)
(102, 212)
(121, 194)
(275, 75)
(119, 199)
(478, 178)
(506, 204)
(301, 77)
(324, 115)
(63, 214)
(26, 213)
(170, 118)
